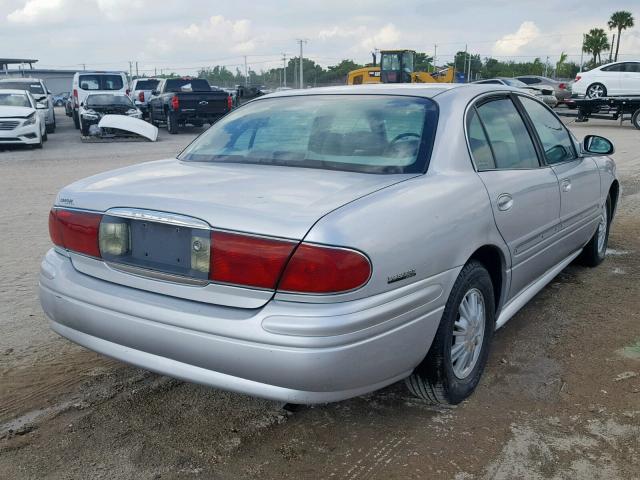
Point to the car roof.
(14, 91)
(428, 90)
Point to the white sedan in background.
(611, 80)
(21, 119)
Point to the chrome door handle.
(566, 185)
(505, 202)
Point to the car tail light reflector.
(229, 102)
(247, 260)
(75, 231)
(175, 103)
(562, 86)
(578, 77)
(321, 269)
(141, 96)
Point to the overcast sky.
(183, 35)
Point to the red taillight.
(578, 77)
(76, 231)
(127, 92)
(229, 102)
(75, 93)
(141, 96)
(175, 103)
(562, 86)
(320, 269)
(246, 260)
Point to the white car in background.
(141, 91)
(611, 80)
(40, 93)
(86, 83)
(21, 119)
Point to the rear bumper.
(299, 353)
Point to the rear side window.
(555, 139)
(146, 84)
(507, 134)
(100, 82)
(480, 149)
(618, 67)
(529, 80)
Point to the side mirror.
(41, 106)
(597, 145)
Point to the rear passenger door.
(524, 194)
(579, 177)
(630, 82)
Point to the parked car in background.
(68, 106)
(297, 249)
(544, 94)
(86, 83)
(97, 105)
(38, 89)
(614, 80)
(21, 118)
(560, 89)
(181, 101)
(59, 99)
(141, 92)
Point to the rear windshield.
(100, 82)
(186, 85)
(100, 100)
(146, 84)
(364, 133)
(33, 87)
(14, 100)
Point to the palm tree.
(620, 20)
(560, 64)
(595, 42)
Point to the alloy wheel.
(468, 333)
(602, 231)
(595, 91)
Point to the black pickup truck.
(178, 101)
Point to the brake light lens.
(141, 96)
(562, 86)
(321, 269)
(578, 77)
(248, 261)
(229, 102)
(75, 231)
(175, 103)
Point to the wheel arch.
(492, 258)
(614, 194)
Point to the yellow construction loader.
(397, 66)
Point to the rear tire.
(635, 119)
(45, 137)
(76, 119)
(172, 123)
(596, 90)
(444, 377)
(594, 252)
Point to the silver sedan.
(316, 245)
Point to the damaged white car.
(111, 115)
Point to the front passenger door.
(524, 194)
(579, 177)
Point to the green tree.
(423, 62)
(595, 42)
(620, 20)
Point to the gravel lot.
(560, 397)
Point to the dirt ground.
(560, 397)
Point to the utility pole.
(130, 69)
(464, 64)
(435, 56)
(137, 75)
(246, 73)
(546, 65)
(284, 68)
(581, 52)
(301, 41)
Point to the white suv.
(611, 80)
(86, 83)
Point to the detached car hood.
(15, 112)
(262, 199)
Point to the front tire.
(594, 252)
(456, 359)
(596, 90)
(635, 119)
